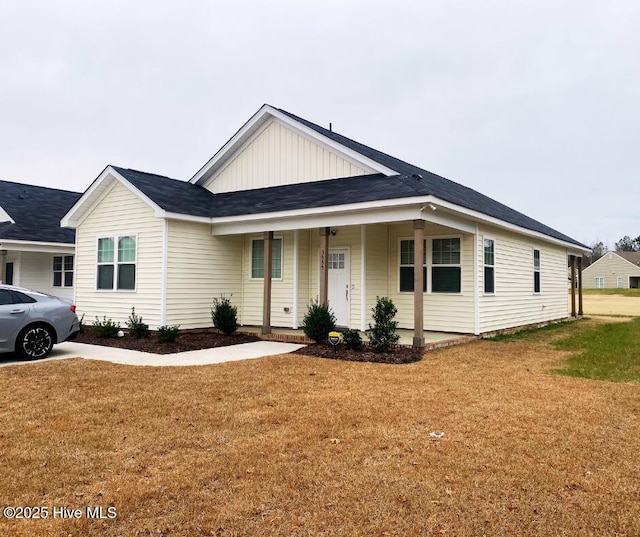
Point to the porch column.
(266, 304)
(418, 254)
(580, 286)
(324, 266)
(3, 266)
(572, 261)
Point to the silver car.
(31, 322)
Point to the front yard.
(293, 445)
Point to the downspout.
(363, 277)
(476, 284)
(294, 324)
(164, 277)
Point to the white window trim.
(601, 280)
(275, 237)
(489, 238)
(116, 262)
(63, 271)
(399, 264)
(533, 262)
(431, 265)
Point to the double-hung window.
(257, 259)
(489, 266)
(117, 263)
(446, 272)
(599, 282)
(536, 271)
(63, 271)
(407, 266)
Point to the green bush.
(168, 334)
(382, 334)
(318, 322)
(106, 327)
(224, 315)
(352, 339)
(137, 328)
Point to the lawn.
(622, 292)
(293, 445)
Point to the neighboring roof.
(632, 257)
(36, 212)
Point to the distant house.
(613, 270)
(35, 251)
(288, 212)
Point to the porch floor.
(431, 339)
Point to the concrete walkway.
(69, 349)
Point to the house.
(288, 212)
(613, 270)
(35, 251)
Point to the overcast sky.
(536, 104)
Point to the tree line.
(599, 249)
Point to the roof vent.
(417, 176)
(23, 195)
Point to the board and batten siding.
(514, 302)
(610, 267)
(443, 312)
(200, 267)
(120, 212)
(281, 156)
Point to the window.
(406, 266)
(14, 297)
(257, 259)
(117, 257)
(599, 282)
(536, 271)
(619, 282)
(446, 270)
(336, 260)
(489, 266)
(63, 271)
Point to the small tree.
(352, 339)
(135, 325)
(382, 334)
(318, 322)
(224, 315)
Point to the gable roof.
(35, 213)
(632, 257)
(390, 179)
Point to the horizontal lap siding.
(120, 212)
(281, 290)
(610, 267)
(200, 267)
(442, 312)
(281, 156)
(376, 267)
(514, 302)
(36, 272)
(304, 276)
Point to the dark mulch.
(399, 355)
(188, 340)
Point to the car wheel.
(34, 342)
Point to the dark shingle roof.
(632, 257)
(37, 212)
(186, 198)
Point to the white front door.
(339, 284)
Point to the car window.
(5, 297)
(21, 298)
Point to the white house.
(35, 251)
(613, 270)
(329, 219)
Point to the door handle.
(346, 294)
(16, 312)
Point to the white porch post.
(418, 305)
(296, 291)
(266, 305)
(363, 278)
(324, 266)
(3, 266)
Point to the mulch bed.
(188, 340)
(399, 355)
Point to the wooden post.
(572, 261)
(324, 266)
(580, 286)
(266, 304)
(418, 305)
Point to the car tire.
(34, 342)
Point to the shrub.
(318, 322)
(106, 327)
(224, 315)
(382, 334)
(137, 328)
(352, 339)
(168, 334)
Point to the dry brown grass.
(605, 304)
(301, 446)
